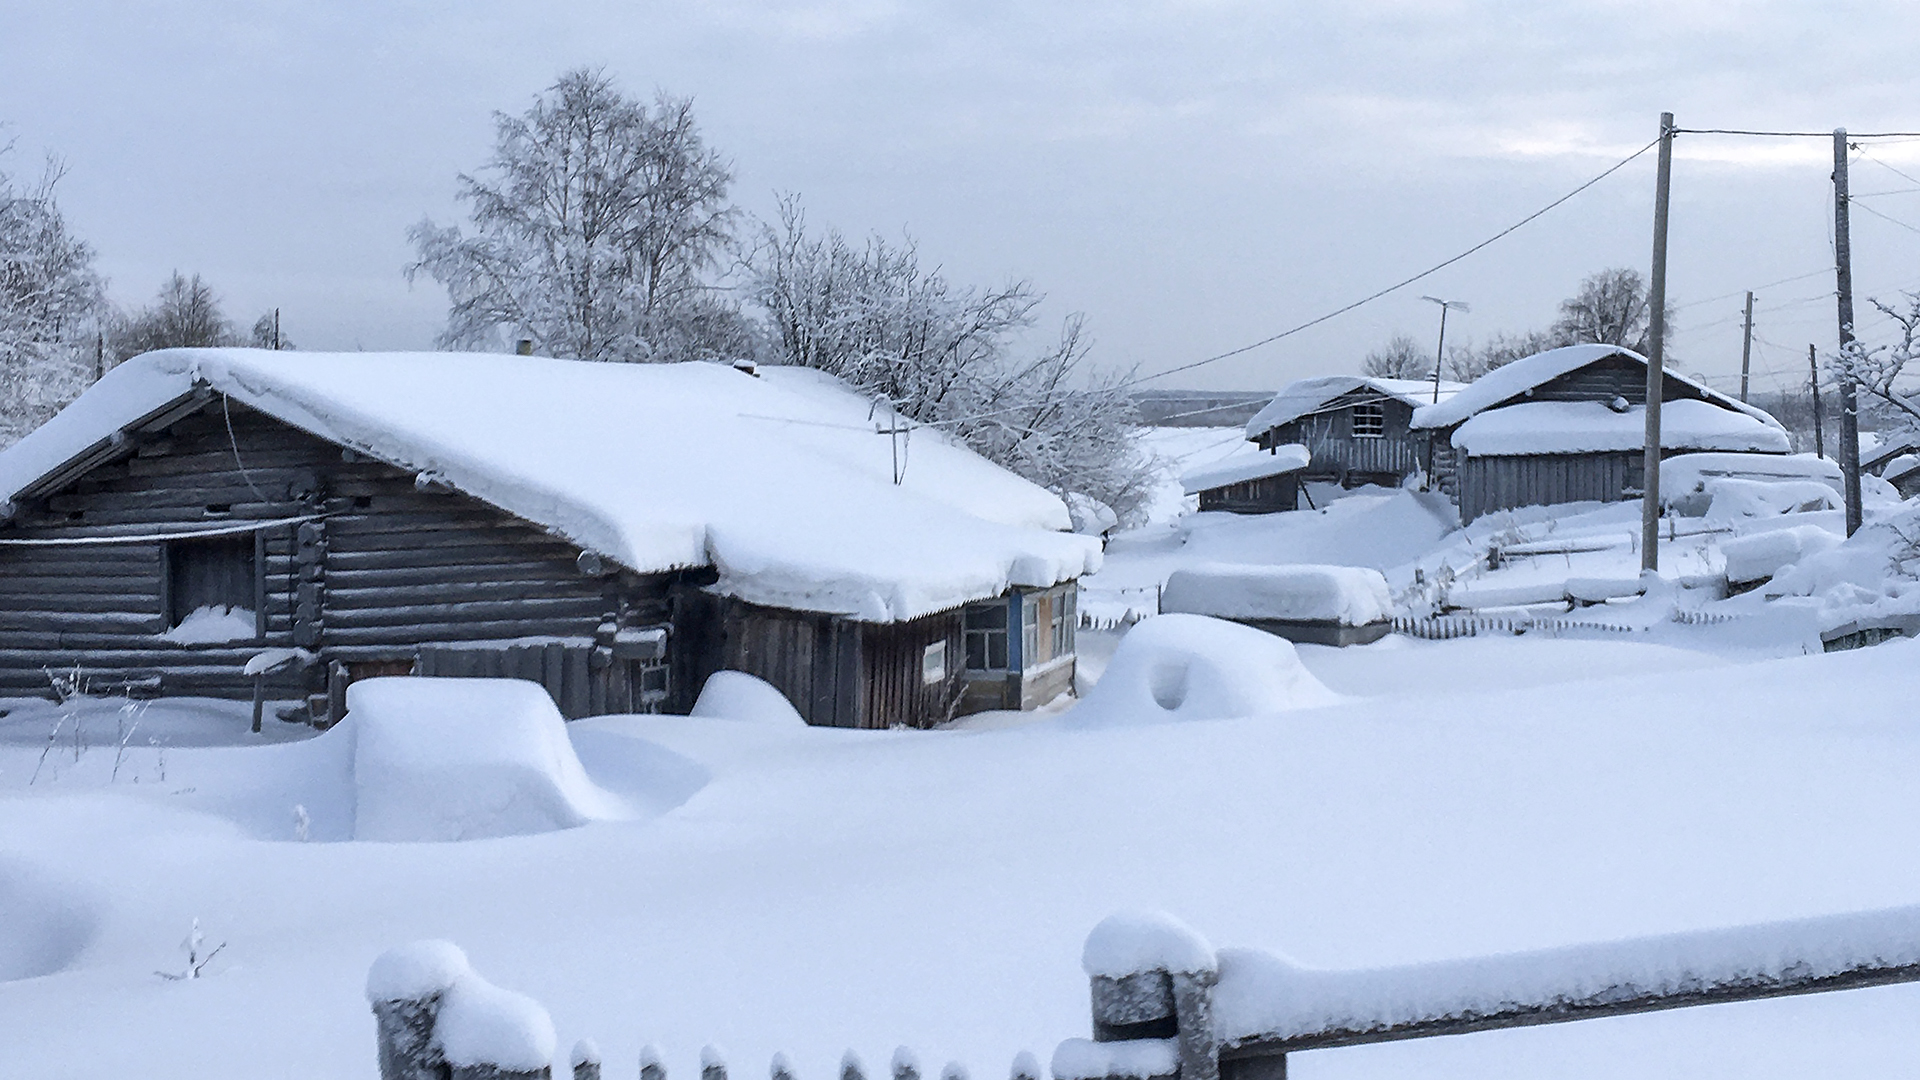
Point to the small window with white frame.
(1369, 420)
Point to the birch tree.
(942, 355)
(51, 299)
(598, 228)
(185, 314)
(1879, 370)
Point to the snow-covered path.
(831, 889)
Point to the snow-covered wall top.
(1297, 399)
(1511, 381)
(1585, 427)
(1242, 467)
(779, 482)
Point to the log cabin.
(236, 522)
(1569, 424)
(1262, 482)
(1357, 429)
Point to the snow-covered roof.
(1585, 427)
(1506, 383)
(1243, 467)
(779, 482)
(1304, 396)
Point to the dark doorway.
(213, 571)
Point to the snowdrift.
(464, 759)
(1346, 595)
(736, 695)
(1758, 556)
(1190, 667)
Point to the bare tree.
(598, 226)
(941, 355)
(1466, 362)
(1611, 308)
(1400, 358)
(51, 301)
(184, 315)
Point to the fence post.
(851, 1068)
(781, 1067)
(405, 987)
(650, 1066)
(906, 1064)
(586, 1060)
(1152, 977)
(1025, 1067)
(713, 1063)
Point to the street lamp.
(1440, 350)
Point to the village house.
(1569, 425)
(230, 521)
(1260, 482)
(1356, 429)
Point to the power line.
(1756, 288)
(1436, 268)
(1851, 135)
(1891, 169)
(1887, 217)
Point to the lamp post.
(1439, 351)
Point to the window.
(1030, 632)
(1369, 420)
(211, 580)
(1066, 617)
(986, 637)
(933, 664)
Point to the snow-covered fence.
(1448, 627)
(437, 1019)
(1166, 1006)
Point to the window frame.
(1375, 413)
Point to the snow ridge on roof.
(778, 482)
(1304, 396)
(1515, 379)
(1587, 427)
(1242, 467)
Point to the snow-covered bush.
(462, 759)
(1758, 556)
(1190, 667)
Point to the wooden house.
(1569, 424)
(615, 532)
(1356, 429)
(1256, 482)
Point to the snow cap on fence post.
(781, 1067)
(953, 1070)
(1152, 977)
(906, 1064)
(650, 1066)
(713, 1063)
(585, 1060)
(405, 986)
(487, 1033)
(1025, 1067)
(851, 1068)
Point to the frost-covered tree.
(597, 230)
(185, 314)
(1400, 358)
(51, 300)
(943, 355)
(1878, 370)
(1611, 308)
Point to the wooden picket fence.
(1449, 627)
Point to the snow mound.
(736, 695)
(1758, 556)
(1731, 500)
(415, 972)
(212, 624)
(464, 759)
(1133, 1059)
(1687, 474)
(482, 1024)
(47, 923)
(1190, 667)
(1090, 516)
(1131, 942)
(1348, 595)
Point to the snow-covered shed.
(1569, 425)
(615, 532)
(1357, 429)
(1251, 482)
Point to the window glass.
(1369, 420)
(985, 637)
(1030, 632)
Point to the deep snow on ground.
(821, 889)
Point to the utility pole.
(1813, 367)
(1440, 350)
(1843, 278)
(1746, 348)
(276, 332)
(1656, 356)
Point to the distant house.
(1569, 425)
(614, 532)
(1876, 461)
(1356, 429)
(1260, 482)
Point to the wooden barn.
(1356, 429)
(614, 532)
(1569, 425)
(1257, 482)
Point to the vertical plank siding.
(1339, 455)
(1488, 484)
(1263, 496)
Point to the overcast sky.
(1192, 176)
